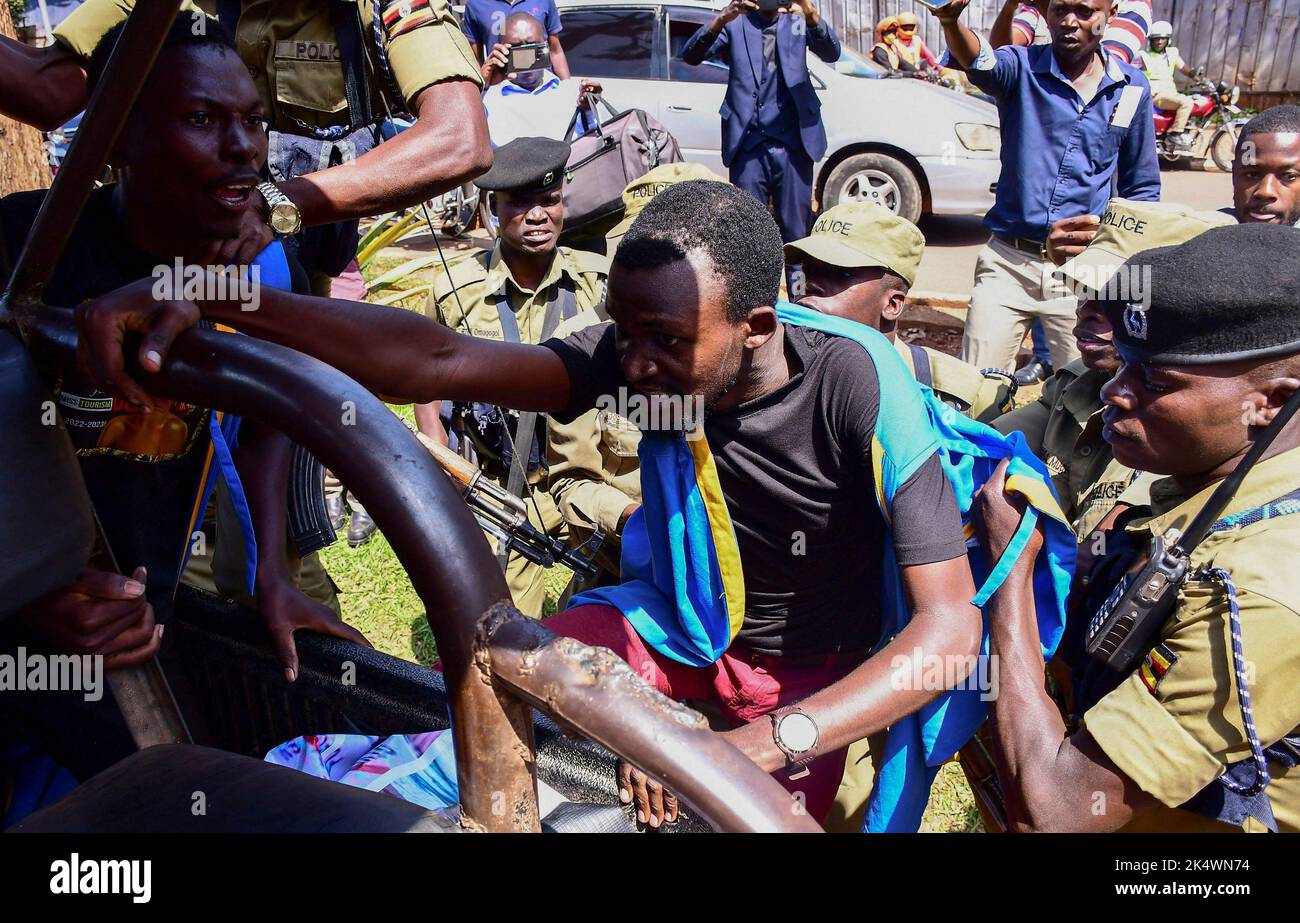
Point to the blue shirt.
(484, 20)
(1061, 157)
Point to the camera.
(531, 56)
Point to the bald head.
(521, 29)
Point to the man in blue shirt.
(772, 132)
(1077, 129)
(484, 24)
(534, 102)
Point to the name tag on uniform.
(308, 51)
(1127, 106)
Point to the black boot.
(361, 529)
(1034, 371)
(336, 511)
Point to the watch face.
(797, 732)
(284, 219)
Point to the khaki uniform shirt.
(1175, 723)
(1063, 428)
(594, 470)
(292, 53)
(955, 382)
(465, 298)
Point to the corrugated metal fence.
(1253, 43)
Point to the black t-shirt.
(142, 470)
(795, 468)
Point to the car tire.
(875, 177)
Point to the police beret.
(527, 164)
(1228, 294)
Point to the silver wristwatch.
(285, 217)
(796, 734)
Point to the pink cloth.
(349, 284)
(744, 684)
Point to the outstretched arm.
(445, 148)
(399, 354)
(1053, 780)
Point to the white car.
(914, 147)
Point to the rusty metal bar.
(106, 113)
(595, 692)
(430, 528)
(147, 705)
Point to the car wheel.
(875, 178)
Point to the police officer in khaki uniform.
(327, 72)
(859, 263)
(1064, 426)
(1201, 735)
(594, 473)
(521, 290)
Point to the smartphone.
(770, 6)
(531, 56)
(933, 4)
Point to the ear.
(893, 308)
(760, 326)
(1269, 398)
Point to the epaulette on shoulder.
(588, 262)
(463, 271)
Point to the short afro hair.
(191, 29)
(729, 225)
(1276, 121)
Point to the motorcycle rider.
(1159, 62)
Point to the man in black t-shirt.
(790, 419)
(187, 160)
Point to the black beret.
(527, 164)
(1228, 294)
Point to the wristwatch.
(796, 734)
(285, 217)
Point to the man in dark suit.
(771, 118)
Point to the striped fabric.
(1125, 36)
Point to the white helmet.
(1161, 29)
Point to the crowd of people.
(815, 493)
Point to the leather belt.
(1035, 248)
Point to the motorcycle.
(1214, 125)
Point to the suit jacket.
(740, 44)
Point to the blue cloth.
(1061, 158)
(740, 46)
(1042, 351)
(273, 272)
(484, 20)
(681, 584)
(772, 172)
